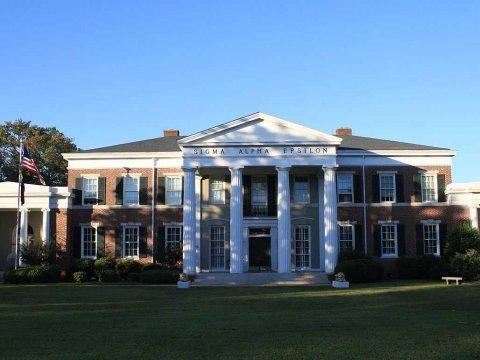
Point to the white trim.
(121, 155)
(309, 246)
(82, 233)
(430, 222)
(210, 248)
(395, 225)
(133, 176)
(89, 177)
(351, 173)
(295, 202)
(173, 226)
(345, 224)
(437, 233)
(124, 227)
(210, 192)
(387, 173)
(166, 189)
(435, 185)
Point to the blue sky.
(107, 72)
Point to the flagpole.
(20, 179)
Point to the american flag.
(29, 165)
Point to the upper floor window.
(131, 235)
(429, 187)
(346, 237)
(431, 243)
(174, 237)
(131, 190)
(217, 192)
(173, 190)
(345, 188)
(389, 240)
(387, 187)
(90, 190)
(89, 242)
(301, 190)
(259, 196)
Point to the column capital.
(329, 167)
(24, 209)
(237, 167)
(283, 168)
(46, 210)
(189, 169)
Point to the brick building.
(259, 194)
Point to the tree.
(46, 145)
(462, 239)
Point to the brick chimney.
(171, 132)
(343, 131)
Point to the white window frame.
(88, 178)
(339, 174)
(435, 186)
(82, 238)
(176, 226)
(135, 257)
(220, 201)
(252, 204)
(395, 226)
(135, 177)
(437, 232)
(346, 224)
(210, 247)
(394, 176)
(167, 202)
(309, 246)
(296, 198)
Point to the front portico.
(264, 162)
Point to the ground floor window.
(217, 247)
(173, 237)
(389, 240)
(89, 242)
(130, 241)
(346, 236)
(302, 246)
(430, 239)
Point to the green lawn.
(393, 320)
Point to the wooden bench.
(452, 278)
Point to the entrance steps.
(261, 279)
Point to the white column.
(330, 218)
(198, 205)
(321, 224)
(189, 227)
(283, 215)
(46, 225)
(23, 229)
(236, 221)
(474, 216)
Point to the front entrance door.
(259, 249)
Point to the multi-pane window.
(173, 185)
(173, 237)
(346, 239)
(429, 189)
(259, 196)
(389, 240)
(217, 192)
(345, 188)
(131, 187)
(302, 247)
(130, 241)
(430, 239)
(217, 247)
(387, 187)
(301, 190)
(90, 190)
(89, 242)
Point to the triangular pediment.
(259, 129)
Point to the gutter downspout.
(365, 250)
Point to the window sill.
(89, 257)
(389, 257)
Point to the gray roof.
(349, 142)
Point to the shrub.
(18, 276)
(427, 262)
(159, 277)
(361, 270)
(151, 266)
(33, 274)
(173, 258)
(351, 255)
(408, 267)
(86, 266)
(124, 267)
(103, 264)
(133, 277)
(442, 269)
(466, 265)
(107, 276)
(79, 277)
(462, 239)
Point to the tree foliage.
(462, 239)
(46, 145)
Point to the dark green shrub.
(442, 269)
(159, 277)
(107, 276)
(408, 267)
(133, 277)
(173, 258)
(361, 270)
(33, 274)
(425, 263)
(79, 277)
(124, 267)
(103, 264)
(151, 266)
(462, 239)
(351, 255)
(466, 265)
(86, 266)
(18, 276)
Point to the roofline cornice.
(341, 152)
(122, 155)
